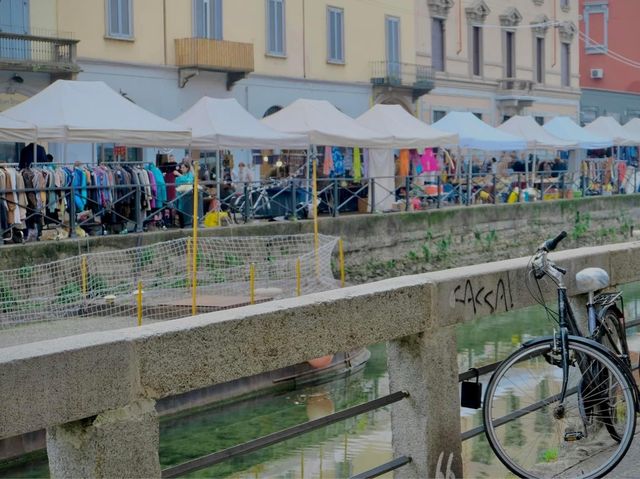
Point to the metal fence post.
(438, 195)
(72, 212)
(468, 199)
(336, 198)
(520, 193)
(293, 200)
(372, 195)
(407, 189)
(494, 182)
(246, 202)
(139, 209)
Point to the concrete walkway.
(629, 467)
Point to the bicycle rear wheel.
(537, 437)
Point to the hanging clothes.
(338, 161)
(403, 169)
(357, 165)
(327, 163)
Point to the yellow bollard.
(298, 278)
(139, 303)
(252, 283)
(194, 265)
(83, 270)
(341, 254)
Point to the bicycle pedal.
(572, 436)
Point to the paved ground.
(629, 467)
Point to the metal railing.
(289, 433)
(292, 198)
(45, 53)
(385, 73)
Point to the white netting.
(104, 284)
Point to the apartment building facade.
(609, 59)
(497, 59)
(166, 54)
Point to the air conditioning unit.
(597, 73)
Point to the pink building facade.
(609, 59)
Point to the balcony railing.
(515, 84)
(419, 78)
(38, 53)
(214, 55)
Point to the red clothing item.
(170, 180)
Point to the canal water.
(343, 449)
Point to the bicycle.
(259, 203)
(575, 398)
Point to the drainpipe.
(304, 43)
(164, 28)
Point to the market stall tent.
(565, 128)
(218, 124)
(324, 124)
(405, 130)
(476, 134)
(609, 127)
(12, 131)
(536, 136)
(632, 127)
(91, 112)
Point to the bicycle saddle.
(591, 279)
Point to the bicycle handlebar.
(551, 244)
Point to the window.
(539, 120)
(437, 44)
(335, 35)
(505, 118)
(510, 54)
(596, 27)
(207, 19)
(565, 61)
(392, 30)
(478, 115)
(539, 60)
(275, 28)
(476, 50)
(438, 115)
(119, 18)
(564, 4)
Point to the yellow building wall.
(42, 17)
(86, 19)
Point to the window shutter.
(125, 17)
(340, 36)
(279, 27)
(113, 17)
(216, 22)
(198, 18)
(436, 44)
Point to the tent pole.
(219, 178)
(316, 241)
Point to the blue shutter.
(198, 18)
(114, 6)
(271, 26)
(125, 18)
(216, 23)
(280, 27)
(340, 35)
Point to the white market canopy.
(609, 127)
(220, 124)
(13, 131)
(528, 129)
(476, 134)
(324, 124)
(91, 112)
(405, 130)
(632, 127)
(565, 128)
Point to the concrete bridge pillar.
(426, 425)
(117, 443)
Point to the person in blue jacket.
(184, 178)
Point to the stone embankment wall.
(387, 245)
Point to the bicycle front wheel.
(537, 436)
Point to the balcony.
(419, 79)
(196, 54)
(513, 95)
(35, 53)
(513, 84)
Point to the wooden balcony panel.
(215, 55)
